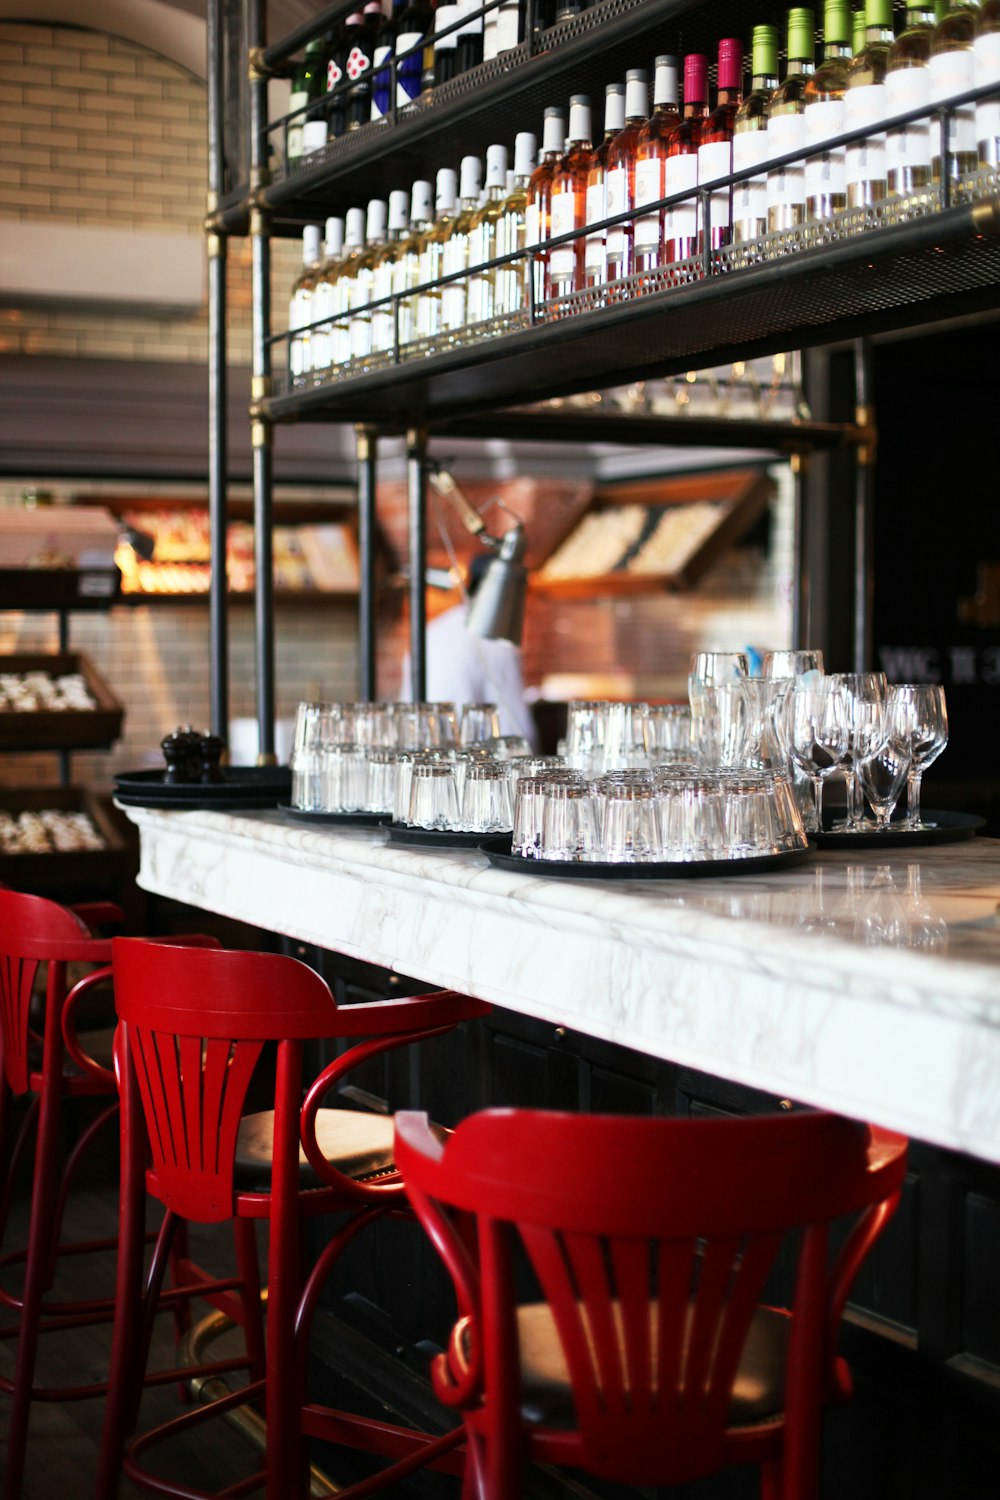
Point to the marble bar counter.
(866, 983)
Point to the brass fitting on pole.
(866, 435)
(215, 245)
(260, 432)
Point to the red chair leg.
(248, 1269)
(772, 1480)
(69, 1172)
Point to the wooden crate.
(76, 871)
(70, 729)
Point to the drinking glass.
(692, 816)
(529, 807)
(383, 774)
(425, 726)
(345, 777)
(858, 688)
(792, 663)
(586, 734)
(374, 724)
(882, 756)
(404, 778)
(925, 717)
(486, 801)
(480, 721)
(627, 818)
(814, 729)
(711, 669)
(624, 744)
(433, 796)
(313, 730)
(749, 813)
(723, 724)
(666, 729)
(569, 824)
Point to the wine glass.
(814, 730)
(926, 719)
(858, 688)
(792, 663)
(882, 756)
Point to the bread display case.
(56, 701)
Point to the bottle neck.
(879, 36)
(581, 145)
(693, 108)
(764, 83)
(800, 67)
(729, 96)
(834, 50)
(920, 15)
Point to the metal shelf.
(632, 430)
(942, 265)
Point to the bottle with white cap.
(650, 160)
(421, 223)
(324, 297)
(343, 290)
(387, 274)
(539, 210)
(483, 239)
(510, 295)
(468, 37)
(454, 302)
(300, 313)
(594, 260)
(503, 28)
(442, 64)
(432, 254)
(569, 202)
(362, 287)
(620, 177)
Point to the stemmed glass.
(925, 724)
(792, 663)
(814, 730)
(858, 688)
(882, 756)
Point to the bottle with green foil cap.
(952, 71)
(858, 28)
(750, 136)
(786, 186)
(865, 103)
(907, 82)
(826, 181)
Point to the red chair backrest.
(652, 1240)
(195, 1022)
(32, 931)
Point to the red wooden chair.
(192, 1027)
(650, 1359)
(47, 1059)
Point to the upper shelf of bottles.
(491, 101)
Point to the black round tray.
(337, 819)
(241, 787)
(951, 828)
(677, 869)
(432, 838)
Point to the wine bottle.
(513, 280)
(859, 28)
(412, 29)
(360, 52)
(443, 68)
(503, 28)
(421, 223)
(382, 50)
(620, 175)
(454, 294)
(429, 322)
(483, 239)
(387, 273)
(952, 71)
(307, 88)
(907, 86)
(650, 158)
(300, 313)
(680, 172)
(715, 149)
(866, 103)
(569, 202)
(324, 296)
(363, 281)
(826, 179)
(343, 289)
(538, 212)
(469, 38)
(786, 186)
(332, 118)
(595, 270)
(986, 66)
(750, 136)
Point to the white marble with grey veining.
(867, 983)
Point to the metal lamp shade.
(497, 611)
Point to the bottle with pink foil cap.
(715, 149)
(680, 173)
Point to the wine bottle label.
(321, 339)
(383, 322)
(293, 146)
(749, 197)
(826, 173)
(823, 119)
(381, 82)
(314, 133)
(986, 67)
(409, 71)
(953, 73)
(453, 296)
(562, 220)
(679, 174)
(531, 224)
(865, 105)
(648, 188)
(908, 145)
(715, 159)
(786, 186)
(334, 74)
(361, 322)
(298, 316)
(616, 188)
(358, 62)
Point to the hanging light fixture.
(496, 613)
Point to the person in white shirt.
(466, 668)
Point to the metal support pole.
(416, 484)
(864, 510)
(261, 427)
(218, 626)
(367, 456)
(801, 627)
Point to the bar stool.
(192, 1027)
(651, 1359)
(52, 1066)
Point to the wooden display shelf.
(66, 729)
(69, 870)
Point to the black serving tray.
(336, 819)
(952, 828)
(241, 787)
(432, 838)
(499, 855)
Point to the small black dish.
(501, 858)
(432, 838)
(240, 787)
(335, 819)
(950, 828)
